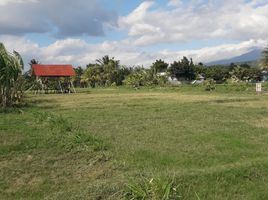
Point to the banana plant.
(11, 66)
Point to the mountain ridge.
(249, 57)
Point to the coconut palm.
(33, 62)
(11, 66)
(264, 58)
(106, 60)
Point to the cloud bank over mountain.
(82, 31)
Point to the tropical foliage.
(145, 77)
(78, 74)
(11, 66)
(106, 72)
(30, 81)
(229, 73)
(159, 66)
(183, 70)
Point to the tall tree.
(33, 62)
(159, 66)
(29, 80)
(183, 69)
(218, 73)
(106, 60)
(11, 66)
(93, 76)
(110, 69)
(78, 73)
(105, 72)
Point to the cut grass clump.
(54, 122)
(154, 188)
(64, 134)
(83, 139)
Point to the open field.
(90, 145)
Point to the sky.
(136, 32)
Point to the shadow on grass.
(14, 109)
(29, 103)
(40, 102)
(234, 100)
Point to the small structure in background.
(258, 87)
(264, 75)
(174, 81)
(199, 80)
(55, 78)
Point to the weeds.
(155, 188)
(64, 134)
(83, 139)
(55, 122)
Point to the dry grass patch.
(260, 123)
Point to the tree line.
(107, 71)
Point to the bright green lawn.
(90, 144)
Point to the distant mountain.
(250, 57)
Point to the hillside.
(250, 58)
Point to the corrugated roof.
(52, 70)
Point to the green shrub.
(210, 85)
(144, 78)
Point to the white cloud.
(208, 54)
(79, 52)
(191, 20)
(148, 24)
(5, 2)
(60, 18)
(175, 3)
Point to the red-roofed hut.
(61, 74)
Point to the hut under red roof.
(54, 78)
(53, 70)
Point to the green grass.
(107, 143)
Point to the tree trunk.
(4, 99)
(9, 95)
(1, 95)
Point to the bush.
(210, 85)
(144, 78)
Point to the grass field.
(97, 143)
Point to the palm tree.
(264, 58)
(106, 60)
(11, 66)
(33, 62)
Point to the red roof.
(52, 70)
